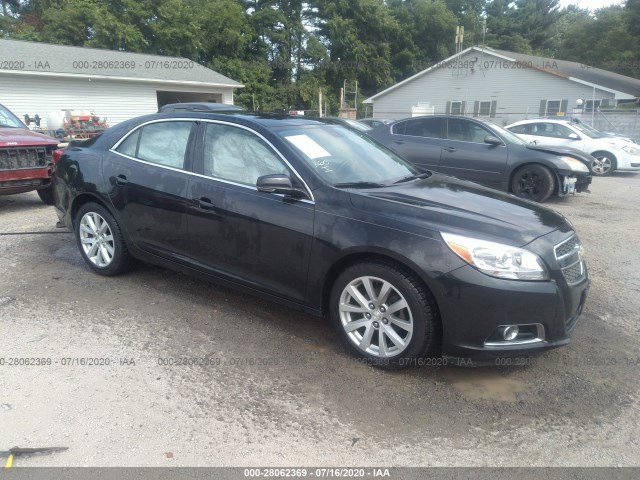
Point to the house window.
(457, 108)
(553, 107)
(485, 109)
(588, 107)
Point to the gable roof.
(31, 58)
(622, 86)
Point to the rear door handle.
(121, 180)
(450, 149)
(399, 142)
(204, 203)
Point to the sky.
(590, 4)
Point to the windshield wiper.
(359, 185)
(6, 125)
(413, 177)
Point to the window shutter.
(476, 108)
(563, 106)
(543, 107)
(494, 107)
(463, 108)
(448, 108)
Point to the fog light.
(510, 333)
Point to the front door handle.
(204, 203)
(450, 149)
(121, 180)
(399, 142)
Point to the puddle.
(476, 384)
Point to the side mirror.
(491, 140)
(278, 183)
(574, 136)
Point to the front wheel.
(100, 240)
(603, 164)
(533, 182)
(384, 314)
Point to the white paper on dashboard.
(308, 146)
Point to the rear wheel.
(46, 195)
(533, 182)
(384, 314)
(603, 164)
(100, 240)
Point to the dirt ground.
(273, 387)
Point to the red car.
(27, 158)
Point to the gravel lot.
(279, 389)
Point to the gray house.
(504, 86)
(37, 78)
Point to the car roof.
(198, 106)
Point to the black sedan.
(318, 216)
(472, 149)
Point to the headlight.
(575, 165)
(631, 150)
(496, 259)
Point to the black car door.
(147, 180)
(419, 140)
(466, 155)
(257, 238)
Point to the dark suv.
(472, 149)
(26, 158)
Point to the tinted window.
(554, 130)
(424, 127)
(164, 143)
(466, 131)
(520, 129)
(237, 155)
(130, 144)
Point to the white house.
(504, 86)
(37, 78)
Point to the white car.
(609, 153)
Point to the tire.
(109, 255)
(46, 195)
(412, 332)
(603, 165)
(533, 182)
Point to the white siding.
(115, 100)
(518, 91)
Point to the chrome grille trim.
(566, 247)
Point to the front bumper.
(474, 306)
(570, 183)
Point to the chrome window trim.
(311, 199)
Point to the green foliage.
(284, 51)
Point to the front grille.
(574, 273)
(24, 157)
(567, 247)
(569, 256)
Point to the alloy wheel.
(96, 239)
(376, 317)
(601, 165)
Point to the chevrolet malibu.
(406, 263)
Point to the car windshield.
(588, 131)
(344, 157)
(8, 119)
(509, 136)
(357, 125)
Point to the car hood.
(560, 150)
(446, 204)
(20, 137)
